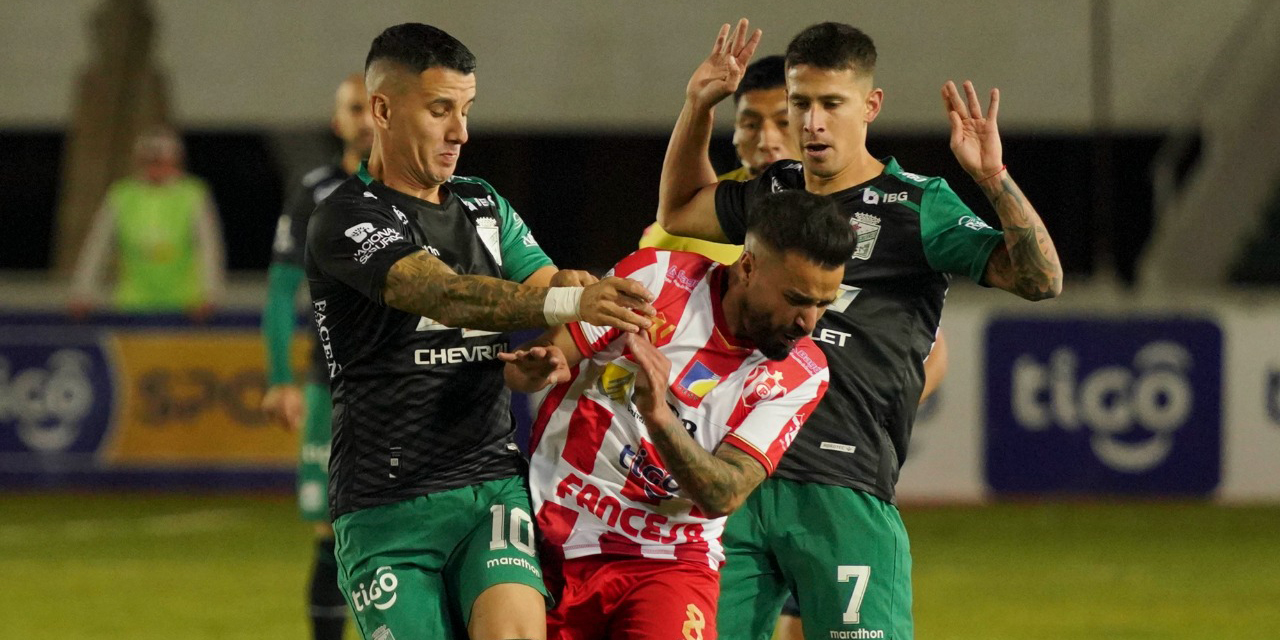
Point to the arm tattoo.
(1029, 265)
(421, 284)
(717, 483)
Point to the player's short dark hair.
(419, 47)
(833, 46)
(805, 223)
(766, 73)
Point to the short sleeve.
(643, 266)
(356, 246)
(734, 199)
(521, 255)
(955, 239)
(769, 413)
(289, 244)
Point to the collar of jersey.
(891, 168)
(720, 280)
(369, 181)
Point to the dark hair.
(806, 223)
(833, 46)
(766, 73)
(420, 47)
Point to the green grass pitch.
(160, 566)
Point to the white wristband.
(561, 305)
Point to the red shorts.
(635, 598)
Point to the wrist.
(983, 178)
(562, 305)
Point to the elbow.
(1049, 292)
(721, 507)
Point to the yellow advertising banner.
(191, 397)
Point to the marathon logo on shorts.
(375, 242)
(857, 634)
(380, 592)
(508, 561)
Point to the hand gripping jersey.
(598, 483)
(913, 232)
(418, 407)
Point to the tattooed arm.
(1027, 263)
(423, 285)
(718, 483)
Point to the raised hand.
(975, 139)
(718, 76)
(617, 302)
(650, 395)
(529, 370)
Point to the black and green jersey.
(913, 232)
(291, 237)
(418, 407)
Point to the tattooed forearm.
(718, 483)
(423, 285)
(1028, 265)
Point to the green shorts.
(313, 457)
(844, 554)
(412, 569)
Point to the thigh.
(851, 564)
(752, 588)
(392, 560)
(667, 600)
(313, 459)
(591, 588)
(498, 549)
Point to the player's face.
(829, 112)
(761, 132)
(785, 295)
(352, 119)
(426, 123)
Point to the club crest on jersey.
(490, 235)
(867, 227)
(698, 380)
(763, 385)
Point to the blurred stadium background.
(1106, 465)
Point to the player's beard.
(775, 342)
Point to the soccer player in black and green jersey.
(825, 524)
(414, 275)
(306, 409)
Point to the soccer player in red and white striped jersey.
(649, 440)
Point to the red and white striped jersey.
(599, 485)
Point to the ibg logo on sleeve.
(1104, 406)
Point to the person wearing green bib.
(162, 227)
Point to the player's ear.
(747, 263)
(872, 105)
(380, 107)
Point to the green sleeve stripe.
(278, 320)
(521, 255)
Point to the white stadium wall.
(560, 64)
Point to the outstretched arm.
(686, 194)
(1027, 263)
(423, 285)
(717, 482)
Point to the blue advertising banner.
(1100, 406)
